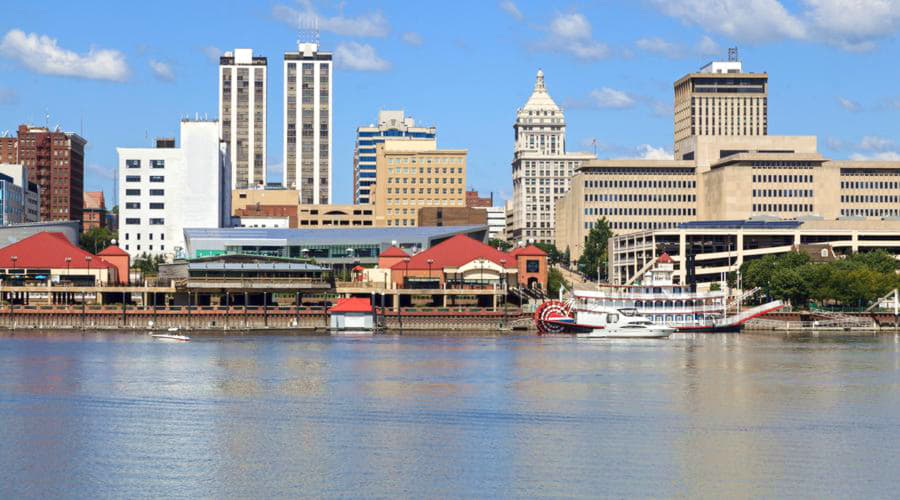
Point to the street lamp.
(430, 262)
(68, 267)
(505, 279)
(405, 270)
(89, 259)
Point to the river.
(750, 415)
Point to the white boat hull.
(169, 336)
(650, 333)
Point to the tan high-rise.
(242, 108)
(719, 100)
(415, 174)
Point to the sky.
(121, 74)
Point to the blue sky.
(128, 70)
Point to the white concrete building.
(307, 123)
(162, 190)
(496, 221)
(541, 167)
(243, 81)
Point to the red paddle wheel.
(547, 313)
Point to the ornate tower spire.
(539, 83)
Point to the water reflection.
(695, 415)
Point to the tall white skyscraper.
(541, 167)
(243, 81)
(307, 122)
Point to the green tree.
(555, 280)
(553, 253)
(148, 264)
(500, 244)
(593, 260)
(95, 239)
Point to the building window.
(133, 205)
(157, 178)
(532, 266)
(156, 206)
(132, 163)
(157, 192)
(132, 222)
(132, 178)
(157, 222)
(157, 163)
(132, 192)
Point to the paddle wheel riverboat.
(656, 298)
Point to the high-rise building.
(55, 162)
(243, 80)
(165, 189)
(719, 100)
(307, 122)
(412, 175)
(392, 124)
(541, 167)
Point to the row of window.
(783, 193)
(782, 207)
(136, 221)
(782, 164)
(137, 163)
(870, 212)
(635, 184)
(423, 170)
(137, 236)
(134, 205)
(656, 211)
(150, 247)
(426, 160)
(137, 192)
(635, 225)
(424, 190)
(641, 197)
(868, 198)
(432, 202)
(137, 178)
(782, 178)
(425, 180)
(869, 185)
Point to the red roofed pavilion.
(51, 254)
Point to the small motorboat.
(171, 336)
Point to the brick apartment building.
(55, 162)
(94, 213)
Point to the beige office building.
(720, 100)
(242, 108)
(736, 178)
(415, 174)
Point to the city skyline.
(610, 68)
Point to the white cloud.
(101, 171)
(708, 47)
(212, 53)
(849, 104)
(360, 57)
(835, 143)
(372, 24)
(876, 143)
(882, 156)
(512, 10)
(744, 20)
(572, 33)
(42, 54)
(412, 38)
(647, 152)
(162, 70)
(852, 25)
(611, 98)
(659, 46)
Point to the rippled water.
(709, 415)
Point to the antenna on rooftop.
(733, 54)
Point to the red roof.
(352, 305)
(664, 259)
(359, 268)
(93, 200)
(393, 252)
(48, 250)
(113, 251)
(530, 250)
(455, 252)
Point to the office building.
(720, 100)
(392, 124)
(451, 216)
(243, 99)
(303, 216)
(719, 247)
(55, 162)
(165, 189)
(94, 214)
(20, 199)
(415, 174)
(541, 167)
(307, 122)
